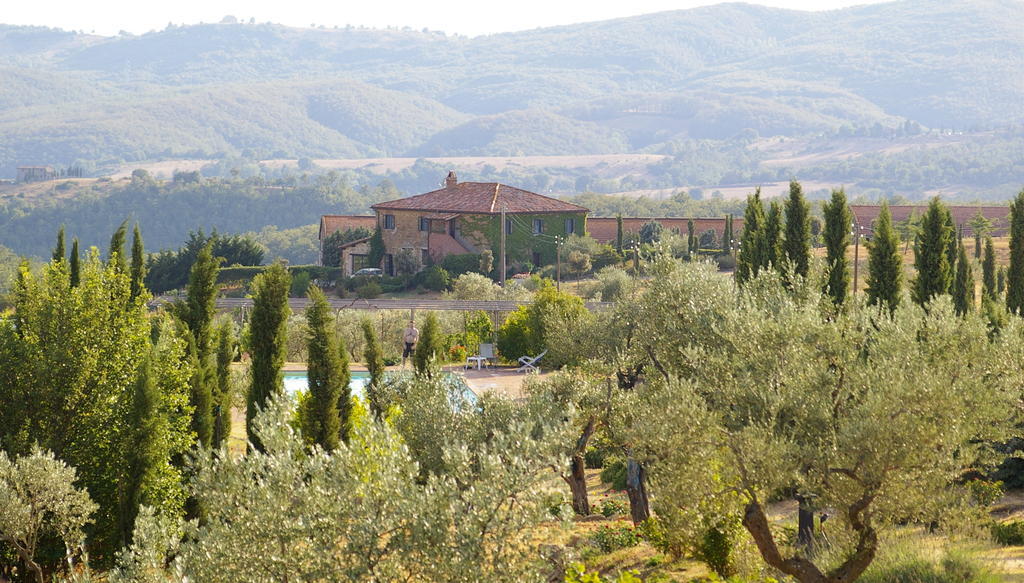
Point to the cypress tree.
(201, 395)
(1015, 275)
(797, 246)
(222, 401)
(988, 271)
(200, 306)
(328, 383)
(428, 348)
(773, 253)
(142, 454)
(373, 355)
(963, 284)
(618, 233)
(377, 249)
(197, 314)
(1001, 280)
(885, 263)
(931, 258)
(115, 256)
(953, 248)
(727, 238)
(58, 251)
(750, 258)
(268, 335)
(691, 239)
(76, 264)
(138, 272)
(837, 239)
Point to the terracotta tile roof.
(604, 229)
(865, 215)
(332, 223)
(481, 198)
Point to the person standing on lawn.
(410, 336)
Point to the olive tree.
(39, 499)
(776, 397)
(271, 514)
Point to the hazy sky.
(452, 16)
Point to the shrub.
(394, 284)
(436, 278)
(473, 286)
(715, 548)
(457, 353)
(524, 331)
(577, 573)
(726, 262)
(300, 284)
(612, 507)
(515, 338)
(614, 473)
(479, 324)
(611, 538)
(952, 568)
(456, 265)
(605, 257)
(557, 505)
(654, 533)
(601, 448)
(369, 290)
(651, 231)
(1009, 533)
(984, 492)
(613, 284)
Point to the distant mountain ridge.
(625, 85)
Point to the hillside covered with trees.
(264, 90)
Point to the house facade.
(35, 173)
(466, 217)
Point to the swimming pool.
(295, 381)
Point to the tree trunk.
(805, 525)
(636, 488)
(27, 558)
(803, 569)
(577, 478)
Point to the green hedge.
(458, 264)
(238, 273)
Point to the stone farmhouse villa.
(465, 217)
(462, 217)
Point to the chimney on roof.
(451, 180)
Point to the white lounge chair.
(529, 363)
(485, 356)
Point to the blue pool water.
(298, 381)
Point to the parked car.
(368, 271)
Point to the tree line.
(752, 390)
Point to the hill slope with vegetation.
(213, 90)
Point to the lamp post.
(558, 262)
(856, 256)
